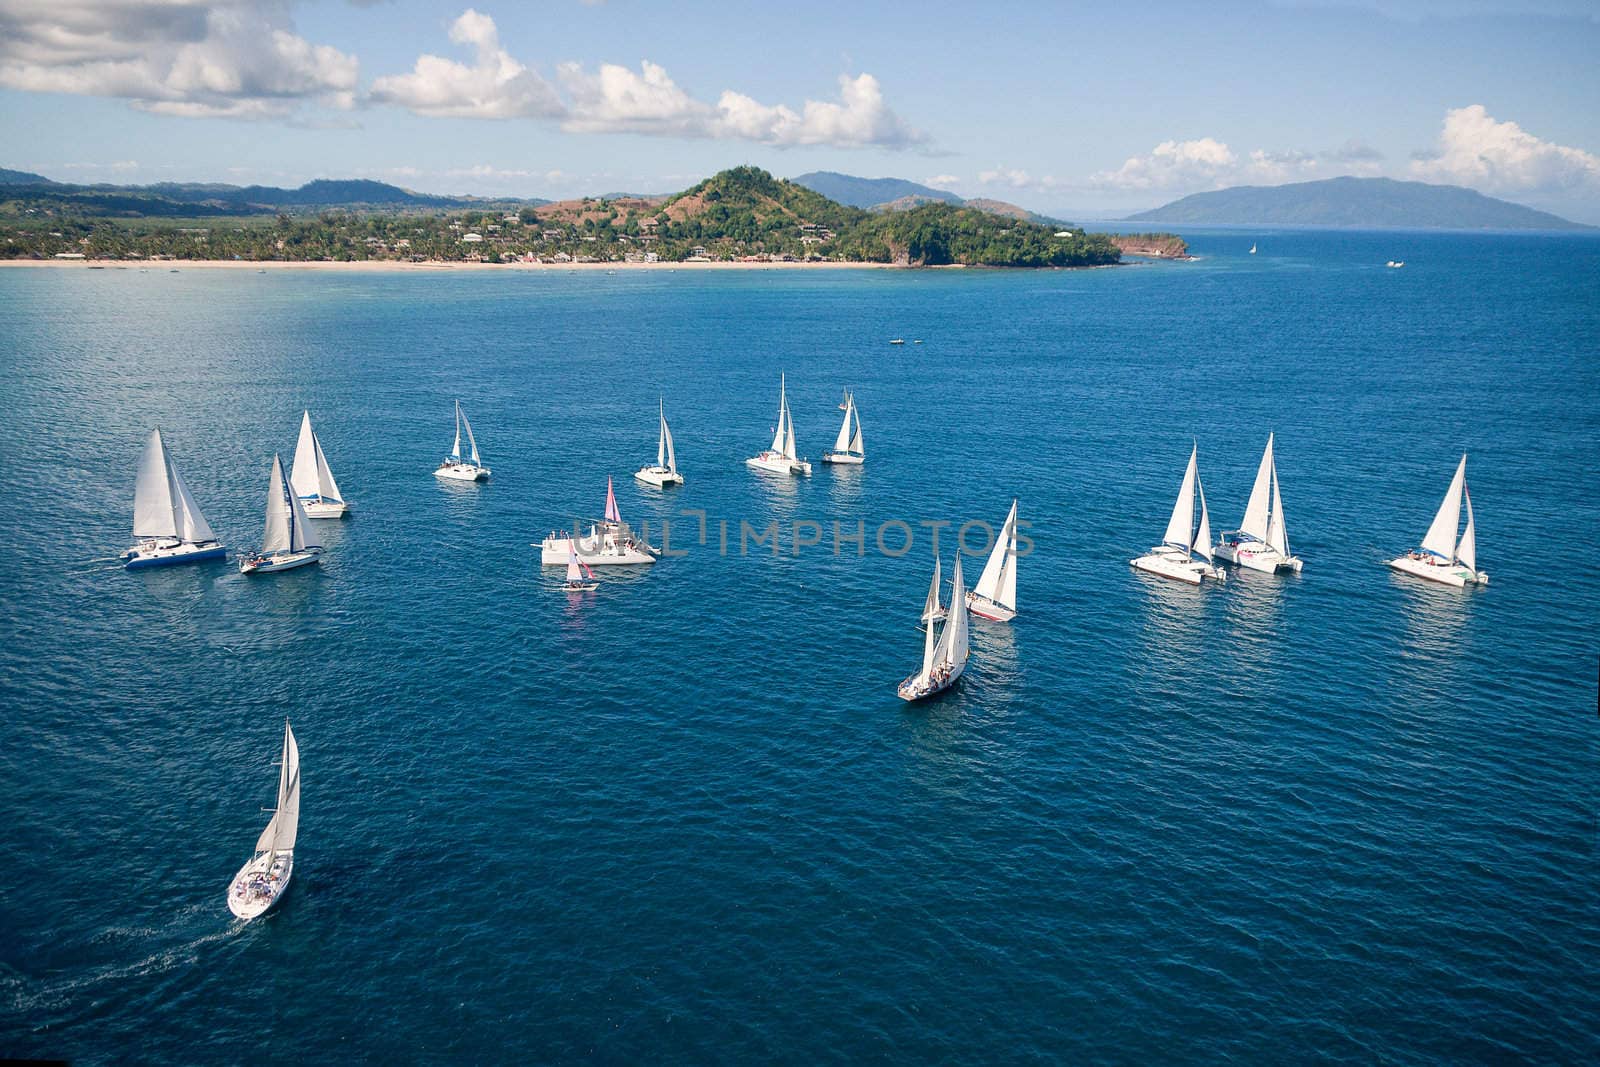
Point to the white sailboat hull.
(317, 508)
(843, 457)
(278, 561)
(610, 550)
(461, 472)
(164, 552)
(1437, 570)
(260, 884)
(660, 477)
(1175, 565)
(909, 690)
(1257, 557)
(778, 463)
(985, 608)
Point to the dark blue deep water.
(685, 819)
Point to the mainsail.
(1181, 526)
(455, 449)
(311, 476)
(998, 582)
(1256, 514)
(780, 437)
(288, 529)
(162, 503)
(1441, 536)
(612, 514)
(952, 648)
(932, 607)
(664, 455)
(279, 836)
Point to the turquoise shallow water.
(685, 819)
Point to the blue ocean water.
(685, 819)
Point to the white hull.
(260, 884)
(908, 690)
(1435, 570)
(608, 550)
(579, 587)
(461, 472)
(777, 463)
(1177, 566)
(985, 608)
(324, 509)
(162, 552)
(1257, 557)
(660, 477)
(843, 457)
(278, 561)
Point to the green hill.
(1357, 203)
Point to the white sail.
(1255, 512)
(953, 641)
(1181, 525)
(153, 514)
(998, 582)
(1467, 550)
(573, 573)
(279, 836)
(612, 513)
(1202, 534)
(931, 608)
(1441, 536)
(192, 525)
(789, 449)
(455, 449)
(310, 476)
(842, 442)
(471, 440)
(301, 534)
(779, 437)
(1277, 532)
(855, 440)
(664, 454)
(277, 536)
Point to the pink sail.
(612, 514)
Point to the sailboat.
(167, 524)
(665, 472)
(579, 577)
(1252, 249)
(1443, 556)
(452, 467)
(264, 878)
(781, 458)
(610, 542)
(1174, 556)
(312, 479)
(932, 610)
(847, 447)
(944, 660)
(1261, 542)
(288, 541)
(995, 596)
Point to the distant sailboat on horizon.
(1252, 249)
(264, 878)
(1444, 557)
(167, 523)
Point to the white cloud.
(1476, 150)
(861, 117)
(1173, 164)
(198, 58)
(496, 86)
(615, 99)
(941, 181)
(1207, 163)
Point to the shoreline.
(431, 266)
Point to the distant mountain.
(869, 192)
(21, 177)
(1358, 203)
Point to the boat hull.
(1257, 557)
(1452, 574)
(660, 477)
(324, 509)
(1178, 567)
(283, 561)
(461, 472)
(260, 884)
(150, 554)
(778, 463)
(556, 551)
(984, 608)
(846, 458)
(911, 692)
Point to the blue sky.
(1084, 110)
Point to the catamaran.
(579, 577)
(264, 878)
(847, 447)
(452, 467)
(665, 472)
(312, 479)
(944, 660)
(1174, 556)
(1443, 556)
(288, 541)
(610, 542)
(995, 596)
(781, 458)
(1261, 542)
(932, 610)
(167, 523)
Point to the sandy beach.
(432, 266)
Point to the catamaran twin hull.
(1177, 566)
(778, 463)
(260, 884)
(462, 472)
(1438, 570)
(1257, 557)
(660, 477)
(162, 554)
(605, 550)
